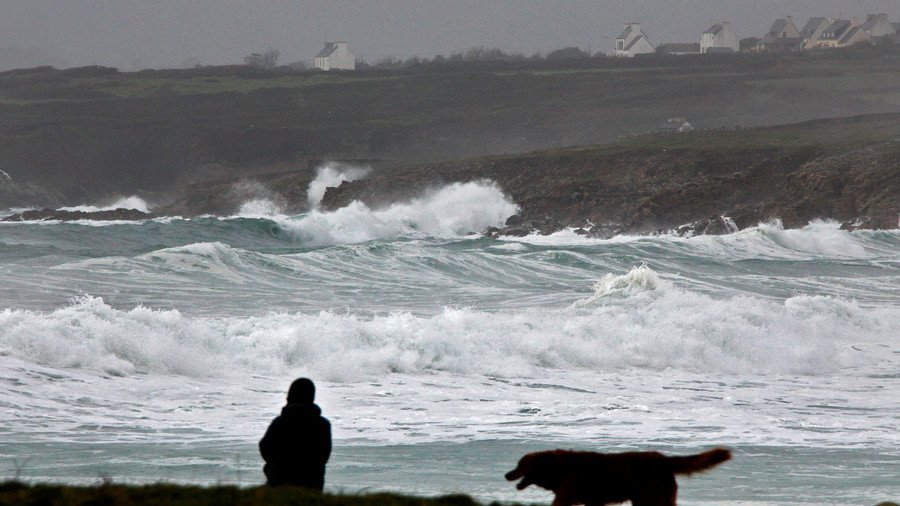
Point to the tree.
(749, 44)
(265, 60)
(567, 53)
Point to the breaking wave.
(676, 328)
(331, 175)
(455, 210)
(639, 280)
(132, 202)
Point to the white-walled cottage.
(719, 38)
(878, 26)
(335, 56)
(633, 41)
(812, 30)
(782, 36)
(843, 33)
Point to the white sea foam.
(260, 208)
(639, 280)
(455, 210)
(132, 202)
(820, 238)
(331, 175)
(673, 328)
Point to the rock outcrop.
(119, 214)
(722, 183)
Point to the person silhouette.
(297, 443)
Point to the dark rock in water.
(871, 223)
(514, 220)
(745, 217)
(714, 225)
(119, 214)
(605, 231)
(514, 231)
(581, 231)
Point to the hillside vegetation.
(18, 494)
(79, 135)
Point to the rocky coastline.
(703, 183)
(48, 214)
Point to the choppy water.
(160, 350)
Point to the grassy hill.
(81, 134)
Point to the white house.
(633, 41)
(335, 56)
(842, 33)
(877, 26)
(676, 125)
(813, 29)
(782, 36)
(719, 38)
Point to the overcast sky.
(132, 34)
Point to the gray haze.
(133, 34)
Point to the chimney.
(790, 19)
(726, 25)
(854, 21)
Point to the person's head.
(302, 391)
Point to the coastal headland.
(573, 142)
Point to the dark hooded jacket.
(296, 447)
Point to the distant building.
(812, 30)
(721, 38)
(878, 26)
(335, 56)
(633, 41)
(675, 125)
(783, 36)
(842, 33)
(679, 49)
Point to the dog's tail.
(695, 463)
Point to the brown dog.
(595, 479)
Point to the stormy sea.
(160, 350)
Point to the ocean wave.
(132, 202)
(820, 238)
(331, 175)
(639, 280)
(675, 328)
(455, 210)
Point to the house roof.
(812, 25)
(719, 50)
(778, 26)
(714, 29)
(850, 34)
(626, 32)
(836, 30)
(330, 47)
(635, 41)
(872, 20)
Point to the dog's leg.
(561, 500)
(663, 494)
